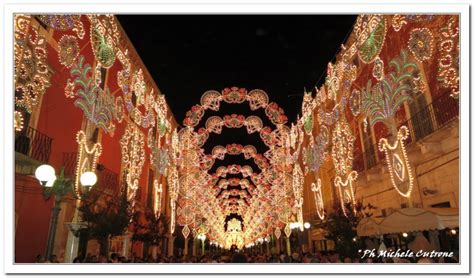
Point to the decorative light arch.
(219, 152)
(257, 99)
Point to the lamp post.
(59, 186)
(300, 227)
(202, 237)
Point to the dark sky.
(280, 54)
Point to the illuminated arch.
(257, 99)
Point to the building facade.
(395, 79)
(84, 101)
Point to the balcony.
(107, 180)
(33, 144)
(429, 119)
(69, 163)
(32, 148)
(433, 117)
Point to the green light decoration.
(381, 102)
(98, 105)
(308, 124)
(103, 51)
(371, 47)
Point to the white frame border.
(214, 7)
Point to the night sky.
(280, 54)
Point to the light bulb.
(45, 173)
(88, 178)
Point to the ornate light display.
(18, 121)
(448, 63)
(257, 99)
(398, 164)
(381, 102)
(314, 155)
(136, 86)
(298, 182)
(133, 157)
(346, 190)
(249, 196)
(173, 178)
(342, 156)
(318, 198)
(398, 21)
(173, 185)
(87, 157)
(64, 22)
(332, 82)
(98, 105)
(370, 31)
(68, 50)
(104, 37)
(158, 190)
(378, 71)
(333, 116)
(233, 234)
(219, 152)
(32, 73)
(421, 44)
(252, 123)
(380, 105)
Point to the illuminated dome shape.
(88, 179)
(45, 174)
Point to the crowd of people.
(242, 257)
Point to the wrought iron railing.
(34, 144)
(429, 119)
(432, 117)
(69, 163)
(365, 160)
(107, 179)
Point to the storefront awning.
(410, 220)
(368, 227)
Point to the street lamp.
(59, 186)
(46, 175)
(88, 179)
(301, 227)
(202, 237)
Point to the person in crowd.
(425, 261)
(54, 259)
(239, 258)
(39, 259)
(114, 258)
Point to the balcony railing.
(34, 144)
(107, 179)
(365, 160)
(69, 163)
(429, 119)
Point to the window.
(149, 197)
(369, 151)
(442, 205)
(420, 116)
(95, 135)
(103, 75)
